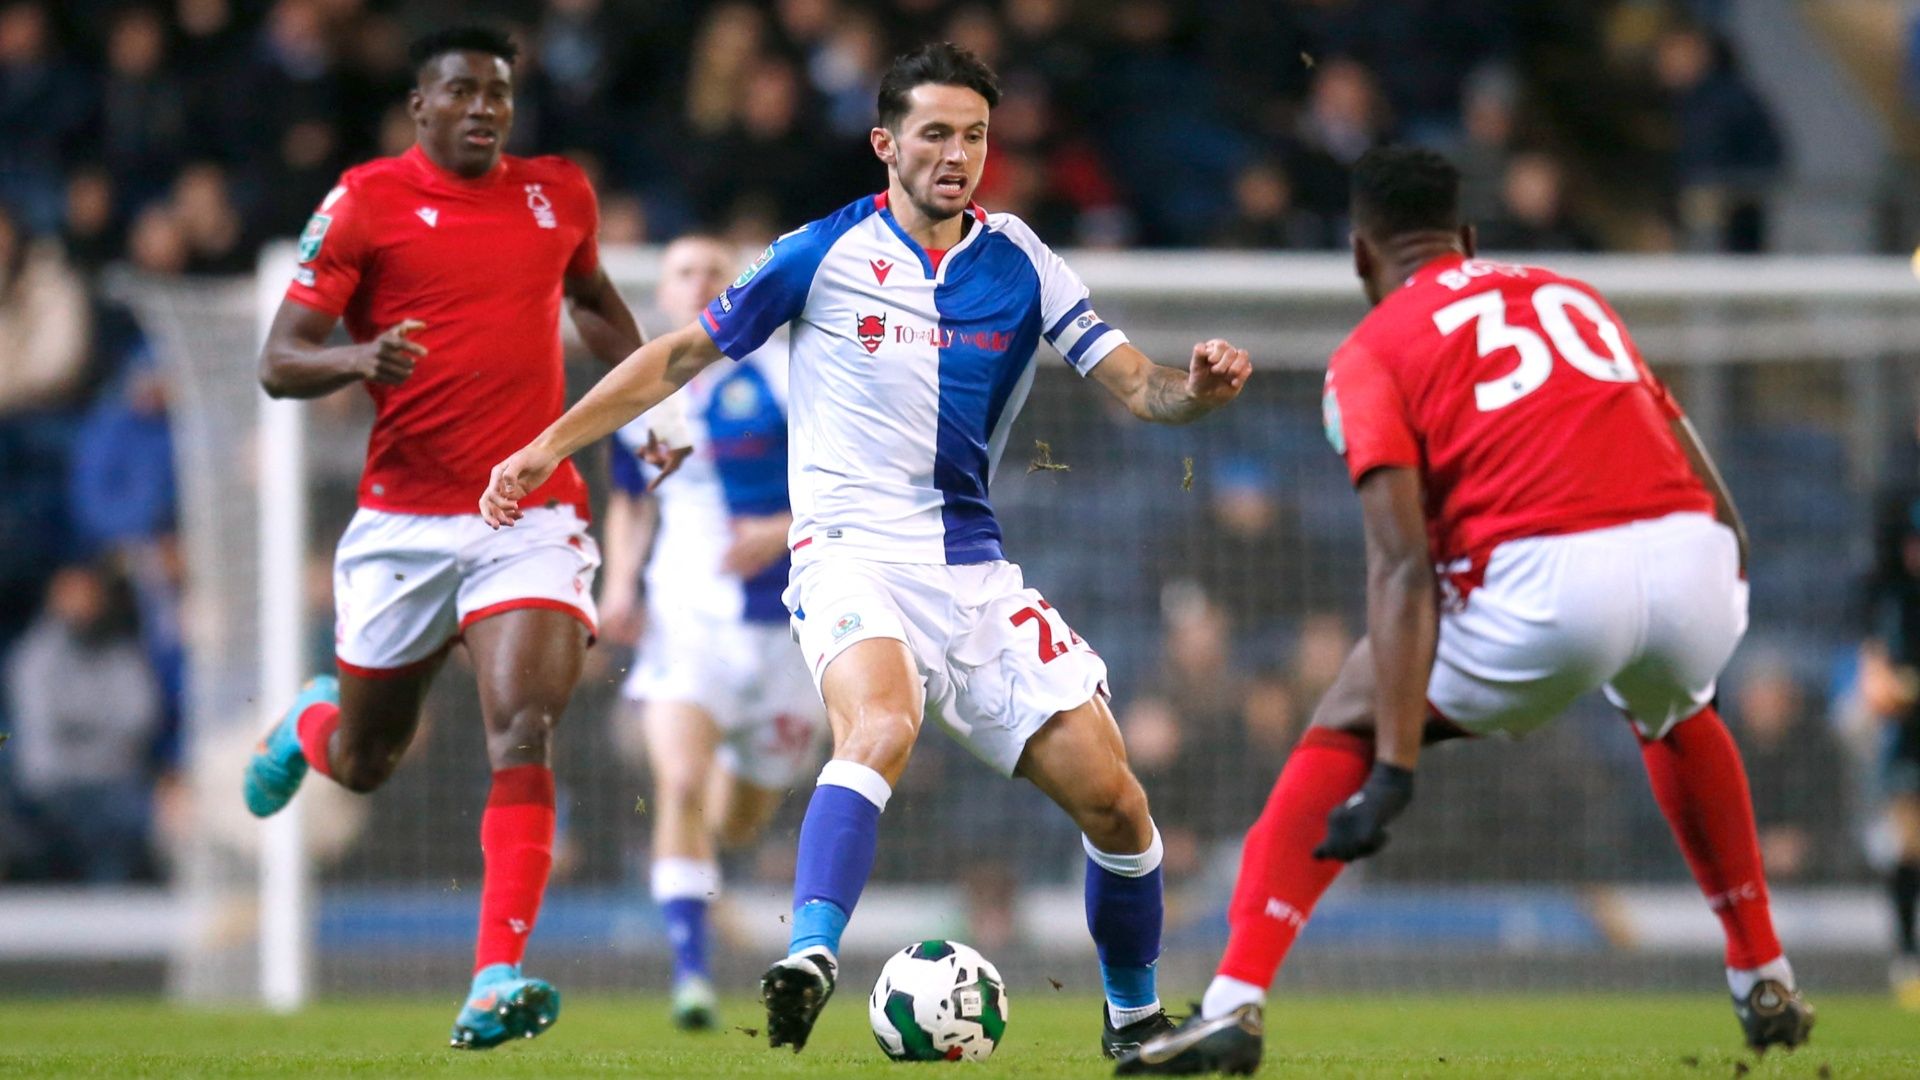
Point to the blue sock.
(687, 930)
(1124, 912)
(838, 838)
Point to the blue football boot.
(502, 1005)
(278, 766)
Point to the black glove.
(1358, 827)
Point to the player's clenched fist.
(389, 358)
(512, 480)
(1217, 371)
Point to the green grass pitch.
(1049, 1035)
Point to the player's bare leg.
(526, 661)
(1080, 762)
(681, 739)
(874, 697)
(1280, 880)
(1701, 785)
(352, 729)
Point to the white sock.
(1225, 994)
(680, 878)
(1742, 980)
(1122, 1017)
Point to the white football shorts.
(405, 585)
(748, 677)
(998, 661)
(1649, 612)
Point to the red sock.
(516, 836)
(315, 727)
(1702, 789)
(1280, 880)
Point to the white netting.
(1216, 567)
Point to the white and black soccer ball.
(938, 1001)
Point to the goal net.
(1217, 568)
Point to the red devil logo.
(871, 328)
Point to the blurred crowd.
(173, 137)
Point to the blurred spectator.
(1250, 556)
(157, 243)
(215, 235)
(1533, 214)
(1798, 773)
(289, 183)
(143, 106)
(93, 233)
(1264, 214)
(44, 105)
(86, 711)
(1488, 122)
(44, 321)
(845, 71)
(728, 44)
(1727, 150)
(120, 482)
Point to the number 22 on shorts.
(1051, 627)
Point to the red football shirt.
(1520, 398)
(482, 263)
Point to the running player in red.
(449, 264)
(1541, 521)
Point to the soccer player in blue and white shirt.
(726, 711)
(915, 317)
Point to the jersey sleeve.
(766, 296)
(1366, 415)
(586, 257)
(1067, 318)
(333, 250)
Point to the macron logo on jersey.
(881, 268)
(429, 215)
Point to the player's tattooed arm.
(297, 362)
(606, 324)
(1723, 508)
(1167, 395)
(637, 384)
(1402, 613)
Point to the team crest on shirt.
(848, 624)
(870, 329)
(313, 236)
(542, 208)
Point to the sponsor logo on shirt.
(542, 208)
(881, 268)
(871, 329)
(941, 337)
(1330, 419)
(747, 274)
(313, 236)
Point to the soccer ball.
(938, 1001)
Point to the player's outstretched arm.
(1703, 467)
(296, 361)
(1402, 629)
(1167, 395)
(606, 324)
(637, 384)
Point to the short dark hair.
(940, 62)
(1403, 189)
(484, 39)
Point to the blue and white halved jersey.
(906, 375)
(737, 421)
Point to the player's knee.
(524, 738)
(880, 740)
(363, 769)
(1114, 815)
